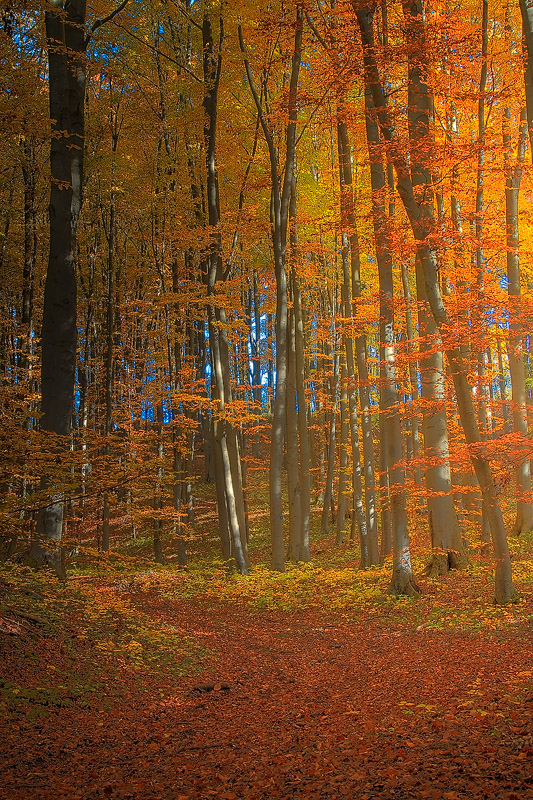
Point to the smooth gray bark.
(403, 581)
(293, 461)
(524, 511)
(364, 516)
(413, 379)
(421, 227)
(331, 446)
(303, 427)
(280, 193)
(343, 457)
(446, 540)
(227, 457)
(448, 551)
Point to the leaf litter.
(263, 704)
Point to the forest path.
(288, 706)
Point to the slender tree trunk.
(255, 338)
(403, 581)
(413, 380)
(526, 10)
(227, 456)
(364, 516)
(177, 498)
(281, 192)
(298, 478)
(446, 540)
(110, 310)
(384, 482)
(30, 256)
(501, 385)
(332, 431)
(343, 456)
(224, 530)
(478, 318)
(303, 428)
(524, 511)
(159, 557)
(293, 466)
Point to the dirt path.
(312, 710)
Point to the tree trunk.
(478, 318)
(501, 385)
(526, 10)
(281, 192)
(504, 589)
(159, 557)
(177, 498)
(30, 256)
(227, 457)
(332, 429)
(293, 466)
(364, 517)
(403, 581)
(303, 428)
(413, 381)
(110, 235)
(255, 341)
(384, 483)
(524, 510)
(446, 540)
(65, 32)
(343, 457)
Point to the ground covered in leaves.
(314, 684)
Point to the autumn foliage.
(266, 397)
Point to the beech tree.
(281, 195)
(65, 37)
(290, 253)
(421, 223)
(66, 40)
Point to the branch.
(229, 262)
(187, 16)
(161, 53)
(257, 100)
(316, 32)
(522, 139)
(104, 20)
(312, 115)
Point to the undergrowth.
(73, 643)
(90, 640)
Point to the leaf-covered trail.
(362, 710)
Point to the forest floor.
(187, 685)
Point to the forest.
(266, 399)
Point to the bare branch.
(316, 32)
(104, 20)
(161, 53)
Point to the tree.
(227, 457)
(421, 224)
(66, 45)
(65, 37)
(403, 581)
(281, 194)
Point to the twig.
(160, 52)
(104, 20)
